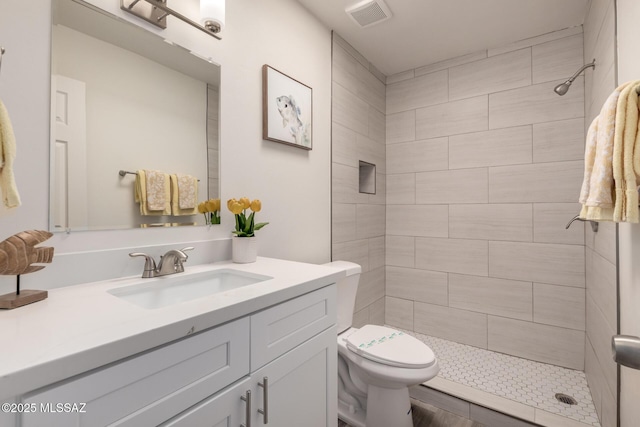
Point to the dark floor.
(425, 415)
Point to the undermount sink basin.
(176, 288)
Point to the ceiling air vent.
(368, 12)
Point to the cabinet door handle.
(247, 399)
(265, 393)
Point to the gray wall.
(601, 301)
(358, 133)
(484, 166)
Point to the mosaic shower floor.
(531, 383)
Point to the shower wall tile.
(452, 255)
(562, 306)
(371, 152)
(462, 326)
(399, 312)
(360, 318)
(370, 221)
(453, 118)
(354, 251)
(595, 375)
(418, 92)
(380, 197)
(345, 181)
(538, 262)
(602, 286)
(398, 77)
(377, 126)
(535, 104)
(400, 250)
(535, 40)
(509, 146)
(550, 220)
(558, 141)
(377, 312)
(443, 65)
(500, 297)
(349, 110)
(557, 59)
(417, 285)
(370, 289)
(453, 186)
(418, 220)
(513, 222)
(376, 252)
(540, 182)
(344, 145)
(343, 222)
(418, 156)
(599, 334)
(543, 343)
(338, 41)
(604, 241)
(401, 127)
(370, 88)
(401, 189)
(508, 71)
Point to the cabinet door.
(302, 385)
(223, 409)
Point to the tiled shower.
(478, 173)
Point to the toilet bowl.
(376, 364)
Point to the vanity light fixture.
(156, 12)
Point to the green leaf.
(237, 223)
(248, 227)
(259, 225)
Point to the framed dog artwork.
(286, 109)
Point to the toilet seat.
(390, 347)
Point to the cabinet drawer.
(150, 388)
(280, 328)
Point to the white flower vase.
(244, 249)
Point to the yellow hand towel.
(626, 137)
(10, 195)
(176, 189)
(600, 194)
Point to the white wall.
(628, 13)
(293, 184)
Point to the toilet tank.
(347, 289)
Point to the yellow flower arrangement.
(245, 226)
(210, 208)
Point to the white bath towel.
(10, 195)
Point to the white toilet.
(376, 364)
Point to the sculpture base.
(27, 296)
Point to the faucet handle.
(188, 248)
(149, 264)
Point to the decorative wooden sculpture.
(17, 253)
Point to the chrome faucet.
(170, 263)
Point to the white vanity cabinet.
(209, 378)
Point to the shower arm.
(584, 67)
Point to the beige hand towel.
(141, 195)
(625, 142)
(598, 197)
(176, 209)
(158, 191)
(187, 191)
(10, 195)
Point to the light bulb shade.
(212, 11)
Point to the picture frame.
(287, 109)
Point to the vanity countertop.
(82, 327)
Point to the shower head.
(563, 88)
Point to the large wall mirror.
(124, 99)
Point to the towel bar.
(124, 172)
(594, 224)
